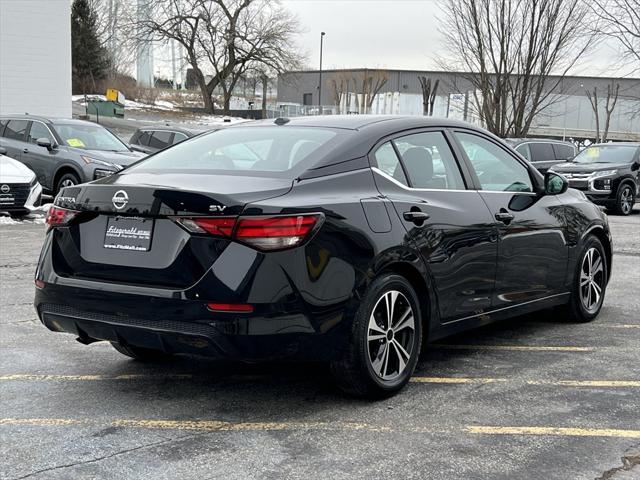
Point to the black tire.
(142, 354)
(625, 199)
(577, 310)
(355, 372)
(67, 180)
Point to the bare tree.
(510, 48)
(620, 19)
(367, 85)
(225, 37)
(429, 93)
(593, 100)
(339, 82)
(609, 106)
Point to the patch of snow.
(37, 216)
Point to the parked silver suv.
(64, 152)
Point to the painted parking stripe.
(523, 348)
(64, 378)
(222, 426)
(456, 380)
(622, 325)
(556, 383)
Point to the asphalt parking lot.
(533, 398)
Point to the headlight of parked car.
(98, 173)
(604, 173)
(95, 161)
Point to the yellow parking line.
(63, 378)
(221, 426)
(524, 348)
(456, 380)
(587, 383)
(558, 431)
(622, 325)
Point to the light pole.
(322, 34)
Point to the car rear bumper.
(180, 326)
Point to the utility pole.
(322, 34)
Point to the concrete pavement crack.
(99, 459)
(630, 460)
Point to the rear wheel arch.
(420, 286)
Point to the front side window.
(160, 139)
(266, 151)
(541, 152)
(429, 161)
(143, 138)
(523, 149)
(495, 168)
(179, 137)
(38, 130)
(16, 129)
(564, 152)
(387, 161)
(89, 137)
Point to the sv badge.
(217, 208)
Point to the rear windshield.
(265, 151)
(607, 154)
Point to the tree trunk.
(204, 91)
(265, 81)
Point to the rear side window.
(564, 152)
(386, 160)
(179, 137)
(266, 151)
(143, 138)
(16, 129)
(160, 139)
(3, 123)
(429, 161)
(541, 152)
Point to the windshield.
(607, 154)
(89, 137)
(265, 151)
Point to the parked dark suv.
(153, 139)
(62, 152)
(543, 153)
(607, 173)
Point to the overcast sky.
(391, 34)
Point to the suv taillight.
(277, 232)
(59, 217)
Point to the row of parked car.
(41, 154)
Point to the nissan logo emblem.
(120, 199)
(5, 189)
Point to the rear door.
(447, 222)
(532, 253)
(39, 159)
(13, 138)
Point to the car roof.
(170, 128)
(358, 122)
(47, 120)
(616, 144)
(517, 141)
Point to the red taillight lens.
(230, 307)
(59, 217)
(276, 232)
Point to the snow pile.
(37, 216)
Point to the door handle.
(26, 150)
(504, 216)
(415, 216)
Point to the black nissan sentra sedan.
(351, 240)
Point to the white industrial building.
(35, 57)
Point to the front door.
(532, 251)
(40, 159)
(449, 224)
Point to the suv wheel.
(590, 282)
(67, 180)
(626, 199)
(385, 340)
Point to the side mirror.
(3, 151)
(635, 166)
(46, 143)
(555, 184)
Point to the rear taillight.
(275, 232)
(59, 217)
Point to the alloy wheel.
(67, 182)
(390, 335)
(591, 280)
(626, 200)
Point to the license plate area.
(129, 233)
